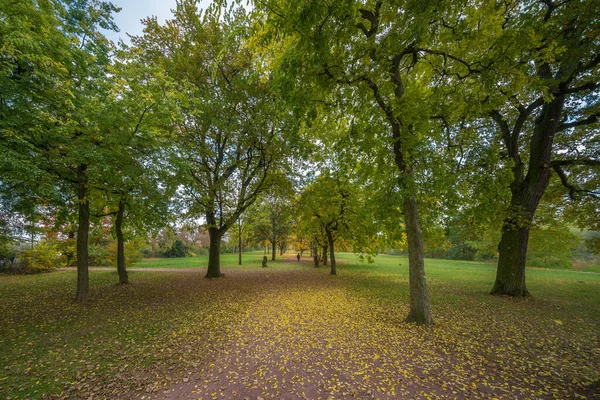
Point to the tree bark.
(526, 193)
(274, 250)
(420, 310)
(69, 254)
(152, 245)
(214, 253)
(510, 275)
(83, 280)
(325, 255)
(239, 243)
(123, 276)
(331, 251)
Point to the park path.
(295, 332)
(304, 339)
(150, 269)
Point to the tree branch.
(503, 125)
(586, 121)
(372, 17)
(587, 86)
(146, 109)
(584, 161)
(572, 189)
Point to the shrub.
(98, 255)
(8, 256)
(178, 249)
(133, 251)
(44, 256)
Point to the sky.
(133, 11)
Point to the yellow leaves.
(558, 321)
(299, 334)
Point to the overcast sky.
(133, 11)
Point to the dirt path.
(301, 341)
(308, 335)
(196, 270)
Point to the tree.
(270, 219)
(544, 104)
(231, 130)
(239, 236)
(137, 175)
(369, 54)
(328, 205)
(61, 139)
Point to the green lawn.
(141, 337)
(249, 259)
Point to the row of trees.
(389, 120)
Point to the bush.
(178, 249)
(8, 256)
(134, 250)
(98, 255)
(44, 256)
(146, 252)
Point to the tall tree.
(137, 176)
(64, 81)
(231, 130)
(369, 53)
(545, 105)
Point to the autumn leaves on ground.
(291, 331)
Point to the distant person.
(298, 257)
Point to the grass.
(249, 259)
(141, 338)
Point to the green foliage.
(8, 256)
(551, 247)
(133, 251)
(593, 243)
(44, 256)
(177, 250)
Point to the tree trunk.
(274, 251)
(240, 243)
(526, 193)
(123, 277)
(331, 251)
(153, 245)
(325, 255)
(214, 253)
(69, 254)
(83, 280)
(420, 310)
(510, 275)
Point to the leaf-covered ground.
(291, 331)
